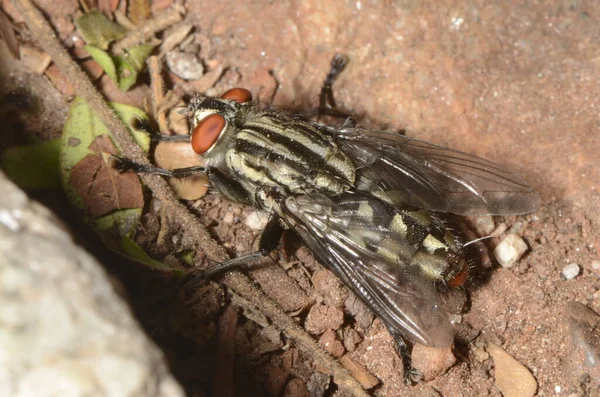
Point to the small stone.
(510, 250)
(228, 218)
(480, 354)
(320, 318)
(327, 284)
(351, 339)
(185, 65)
(318, 384)
(330, 344)
(432, 361)
(511, 377)
(34, 59)
(257, 220)
(484, 225)
(275, 381)
(295, 388)
(570, 271)
(595, 265)
(358, 372)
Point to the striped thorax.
(266, 148)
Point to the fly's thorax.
(271, 150)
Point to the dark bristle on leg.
(411, 374)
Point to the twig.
(156, 83)
(149, 29)
(244, 287)
(235, 280)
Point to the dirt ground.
(515, 83)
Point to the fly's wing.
(352, 236)
(402, 170)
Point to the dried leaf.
(139, 11)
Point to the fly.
(368, 203)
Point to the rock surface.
(63, 329)
(584, 342)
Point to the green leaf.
(130, 64)
(122, 222)
(97, 30)
(111, 202)
(104, 60)
(135, 119)
(33, 167)
(134, 251)
(122, 69)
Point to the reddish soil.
(515, 83)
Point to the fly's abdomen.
(292, 155)
(406, 236)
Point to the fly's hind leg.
(411, 374)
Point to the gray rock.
(584, 342)
(63, 329)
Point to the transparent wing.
(347, 236)
(405, 170)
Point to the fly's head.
(213, 121)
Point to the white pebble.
(510, 250)
(557, 389)
(596, 265)
(257, 220)
(571, 271)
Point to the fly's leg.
(123, 164)
(146, 125)
(269, 240)
(155, 136)
(411, 374)
(327, 105)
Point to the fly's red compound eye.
(207, 132)
(239, 95)
(459, 278)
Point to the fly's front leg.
(124, 164)
(155, 136)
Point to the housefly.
(368, 203)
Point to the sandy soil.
(515, 83)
